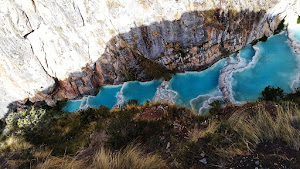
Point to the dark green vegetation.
(154, 70)
(129, 76)
(262, 39)
(155, 135)
(280, 27)
(272, 94)
(298, 20)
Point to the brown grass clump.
(62, 163)
(14, 143)
(262, 126)
(130, 157)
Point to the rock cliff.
(51, 50)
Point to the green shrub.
(216, 107)
(298, 20)
(154, 70)
(294, 97)
(280, 27)
(122, 128)
(98, 115)
(125, 128)
(129, 76)
(272, 94)
(26, 119)
(132, 102)
(262, 39)
(72, 131)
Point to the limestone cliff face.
(59, 49)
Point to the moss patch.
(262, 39)
(128, 75)
(154, 70)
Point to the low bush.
(72, 131)
(25, 120)
(272, 94)
(216, 107)
(125, 128)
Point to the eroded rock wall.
(59, 49)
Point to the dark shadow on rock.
(192, 43)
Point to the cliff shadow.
(192, 43)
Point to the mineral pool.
(107, 96)
(272, 63)
(190, 85)
(140, 91)
(276, 65)
(296, 32)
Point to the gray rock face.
(50, 50)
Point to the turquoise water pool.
(276, 65)
(193, 84)
(140, 91)
(72, 105)
(271, 63)
(296, 32)
(107, 96)
(247, 53)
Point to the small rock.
(257, 162)
(5, 131)
(168, 145)
(203, 160)
(202, 154)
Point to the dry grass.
(14, 143)
(261, 126)
(62, 163)
(130, 157)
(198, 133)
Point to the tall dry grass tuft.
(129, 158)
(262, 126)
(197, 133)
(62, 163)
(14, 143)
